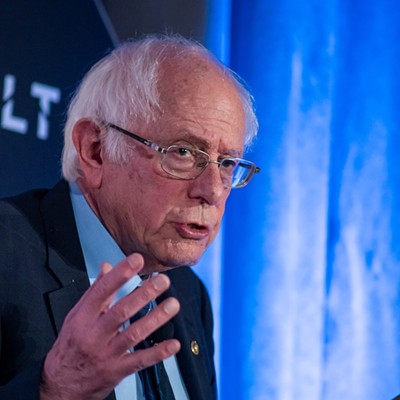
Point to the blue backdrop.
(307, 299)
(305, 275)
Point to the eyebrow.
(204, 144)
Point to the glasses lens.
(236, 171)
(184, 162)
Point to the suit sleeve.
(15, 383)
(24, 386)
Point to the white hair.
(123, 86)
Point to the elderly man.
(153, 145)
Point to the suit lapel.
(65, 258)
(193, 367)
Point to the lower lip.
(187, 232)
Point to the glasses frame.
(164, 150)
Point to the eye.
(229, 164)
(186, 157)
(182, 156)
(183, 152)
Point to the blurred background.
(305, 275)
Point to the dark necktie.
(155, 382)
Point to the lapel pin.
(194, 346)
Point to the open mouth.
(196, 227)
(192, 231)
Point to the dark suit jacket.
(42, 276)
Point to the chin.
(164, 254)
(181, 255)
(175, 262)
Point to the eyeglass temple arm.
(127, 133)
(138, 138)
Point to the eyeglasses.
(186, 162)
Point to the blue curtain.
(308, 264)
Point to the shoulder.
(17, 213)
(26, 211)
(25, 203)
(29, 204)
(23, 234)
(20, 215)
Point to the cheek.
(221, 210)
(152, 203)
(218, 219)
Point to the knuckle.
(160, 282)
(119, 313)
(140, 364)
(99, 288)
(145, 293)
(134, 334)
(159, 317)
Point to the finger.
(145, 326)
(141, 359)
(100, 294)
(129, 305)
(104, 269)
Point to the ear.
(87, 141)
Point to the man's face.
(170, 221)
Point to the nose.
(209, 186)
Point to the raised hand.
(91, 354)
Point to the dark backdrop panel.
(45, 48)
